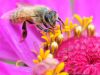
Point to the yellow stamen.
(91, 30)
(49, 72)
(84, 22)
(42, 56)
(42, 53)
(68, 28)
(66, 21)
(59, 67)
(78, 31)
(52, 36)
(46, 54)
(63, 73)
(78, 18)
(45, 38)
(57, 70)
(39, 58)
(60, 38)
(50, 56)
(54, 46)
(35, 61)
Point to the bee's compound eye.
(53, 13)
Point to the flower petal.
(11, 33)
(7, 69)
(22, 50)
(89, 8)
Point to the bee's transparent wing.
(7, 15)
(19, 5)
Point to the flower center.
(75, 45)
(79, 52)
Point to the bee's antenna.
(60, 26)
(60, 21)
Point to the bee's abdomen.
(20, 16)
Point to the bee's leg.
(41, 28)
(24, 31)
(31, 22)
(60, 20)
(45, 24)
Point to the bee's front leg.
(60, 20)
(24, 31)
(45, 24)
(41, 28)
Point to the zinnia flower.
(81, 52)
(11, 50)
(82, 56)
(78, 50)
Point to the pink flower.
(10, 47)
(6, 69)
(81, 55)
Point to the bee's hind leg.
(41, 28)
(24, 31)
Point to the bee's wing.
(8, 14)
(19, 5)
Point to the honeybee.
(41, 16)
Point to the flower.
(51, 36)
(81, 56)
(11, 50)
(81, 52)
(78, 52)
(12, 70)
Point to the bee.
(41, 16)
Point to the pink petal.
(89, 8)
(7, 69)
(10, 34)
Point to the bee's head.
(51, 17)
